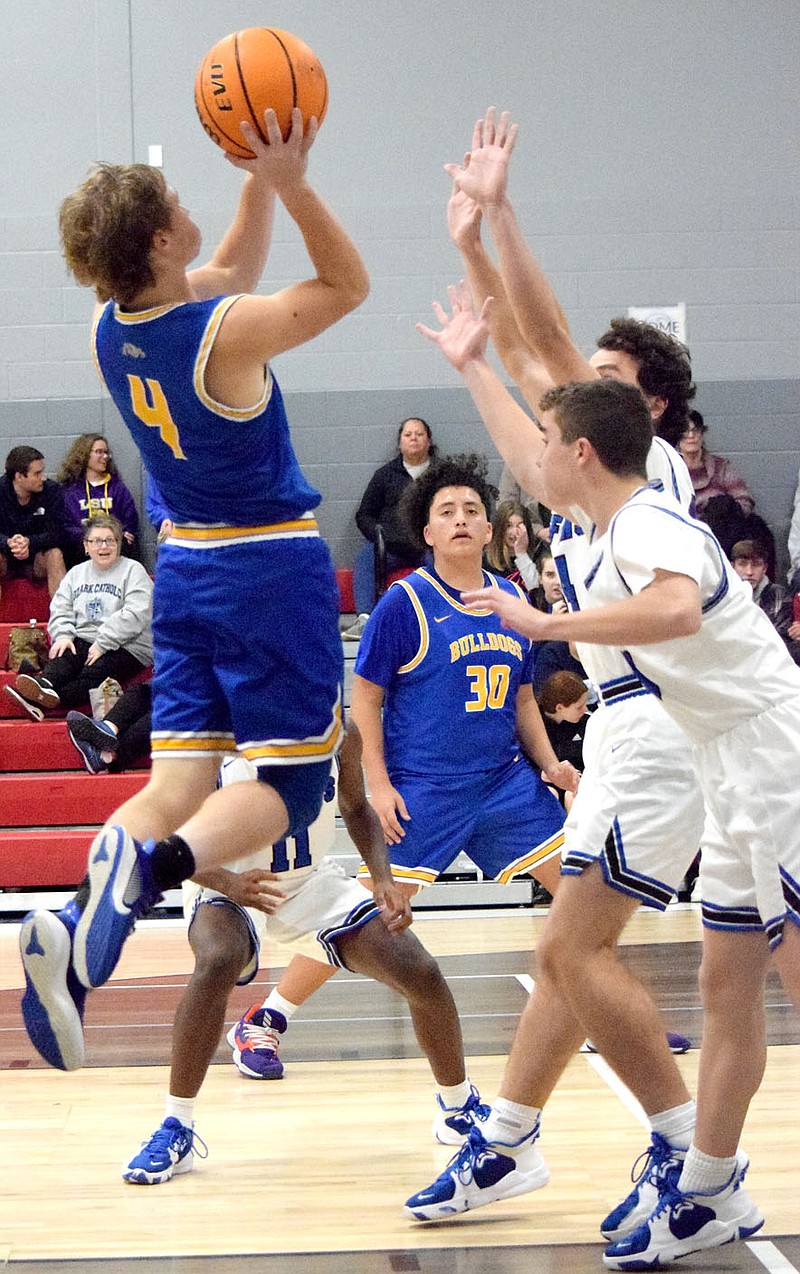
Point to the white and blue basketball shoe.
(454, 1123)
(53, 1003)
(121, 889)
(169, 1152)
(685, 1223)
(481, 1172)
(661, 1168)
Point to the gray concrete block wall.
(652, 167)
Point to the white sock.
(509, 1122)
(456, 1096)
(181, 1108)
(281, 1005)
(705, 1174)
(677, 1124)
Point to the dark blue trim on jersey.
(356, 919)
(618, 688)
(652, 686)
(617, 874)
(587, 583)
(746, 919)
(722, 587)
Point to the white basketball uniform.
(321, 902)
(735, 691)
(639, 809)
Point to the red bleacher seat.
(344, 578)
(36, 859)
(66, 800)
(21, 600)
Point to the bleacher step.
(64, 800)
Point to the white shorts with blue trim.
(319, 909)
(750, 864)
(639, 808)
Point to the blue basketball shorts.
(506, 820)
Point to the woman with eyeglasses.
(91, 484)
(99, 626)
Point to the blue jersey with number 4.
(212, 464)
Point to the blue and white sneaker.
(481, 1173)
(168, 1153)
(454, 1123)
(91, 738)
(52, 1006)
(661, 1169)
(686, 1223)
(121, 889)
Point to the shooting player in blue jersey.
(247, 651)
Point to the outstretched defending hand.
(279, 163)
(513, 612)
(463, 218)
(463, 334)
(484, 173)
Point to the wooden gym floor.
(310, 1174)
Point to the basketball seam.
(256, 124)
(289, 64)
(244, 152)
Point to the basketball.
(249, 71)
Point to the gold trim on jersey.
(209, 336)
(424, 634)
(144, 316)
(409, 875)
(190, 745)
(199, 536)
(448, 597)
(298, 751)
(548, 849)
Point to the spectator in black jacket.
(378, 507)
(31, 520)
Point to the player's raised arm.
(536, 310)
(523, 365)
(239, 261)
(462, 337)
(262, 326)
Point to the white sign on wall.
(670, 318)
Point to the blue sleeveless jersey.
(451, 678)
(212, 464)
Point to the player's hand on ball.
(281, 163)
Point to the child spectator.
(564, 703)
(750, 564)
(509, 552)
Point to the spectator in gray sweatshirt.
(100, 623)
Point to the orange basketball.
(249, 71)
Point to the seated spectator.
(91, 484)
(556, 656)
(794, 543)
(378, 507)
(721, 496)
(564, 703)
(31, 520)
(510, 489)
(549, 595)
(99, 626)
(509, 552)
(750, 564)
(121, 739)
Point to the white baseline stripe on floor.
(602, 1068)
(771, 1258)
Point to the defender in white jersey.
(637, 820)
(661, 590)
(325, 915)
